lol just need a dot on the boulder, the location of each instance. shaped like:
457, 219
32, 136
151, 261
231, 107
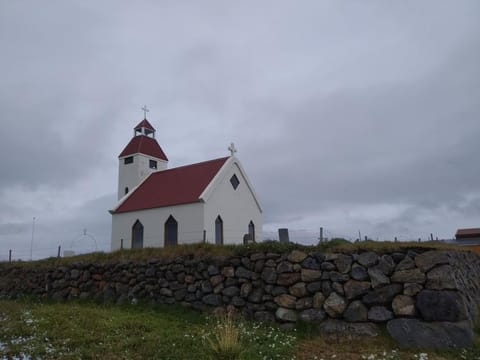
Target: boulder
441, 278
343, 328
354, 288
386, 264
231, 291
246, 289
408, 276
304, 303
296, 256
311, 263
383, 295
286, 314
358, 272
309, 275
318, 300
315, 286
312, 315
212, 299
338, 277
269, 275
327, 266
406, 264
436, 305
256, 295
367, 259
379, 314
343, 263
216, 279
288, 279
377, 277
264, 316
403, 305
284, 267
241, 272
356, 312
432, 258
411, 289
286, 301
335, 305
228, 271
436, 335
298, 290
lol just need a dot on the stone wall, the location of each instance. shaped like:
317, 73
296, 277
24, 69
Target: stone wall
425, 297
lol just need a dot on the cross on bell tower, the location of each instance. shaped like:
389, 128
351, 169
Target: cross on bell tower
145, 110
232, 149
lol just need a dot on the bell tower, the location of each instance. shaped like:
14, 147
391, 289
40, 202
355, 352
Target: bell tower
142, 156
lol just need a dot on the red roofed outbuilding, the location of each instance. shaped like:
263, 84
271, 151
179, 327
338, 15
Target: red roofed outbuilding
211, 201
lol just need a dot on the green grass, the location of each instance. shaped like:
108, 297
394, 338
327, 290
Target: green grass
91, 331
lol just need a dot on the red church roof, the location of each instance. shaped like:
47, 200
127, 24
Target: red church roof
144, 124
182, 185
145, 145
467, 233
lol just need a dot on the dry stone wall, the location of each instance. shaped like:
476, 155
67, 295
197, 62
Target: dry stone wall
425, 298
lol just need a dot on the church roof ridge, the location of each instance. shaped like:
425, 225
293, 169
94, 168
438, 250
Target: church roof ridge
144, 145
144, 124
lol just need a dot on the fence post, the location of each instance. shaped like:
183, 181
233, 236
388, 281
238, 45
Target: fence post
59, 249
9, 256
396, 239
121, 244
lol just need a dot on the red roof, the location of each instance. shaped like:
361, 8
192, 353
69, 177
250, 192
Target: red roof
182, 185
144, 124
467, 233
144, 145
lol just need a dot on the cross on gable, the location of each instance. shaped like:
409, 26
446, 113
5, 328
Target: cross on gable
145, 110
232, 149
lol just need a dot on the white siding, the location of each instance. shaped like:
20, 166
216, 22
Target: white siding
189, 218
236, 207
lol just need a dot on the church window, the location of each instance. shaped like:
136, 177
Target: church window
128, 160
137, 235
126, 190
234, 181
153, 164
251, 231
171, 231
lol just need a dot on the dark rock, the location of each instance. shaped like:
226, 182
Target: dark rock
354, 288
403, 305
284, 267
337, 277
206, 287
377, 277
296, 256
441, 306
406, 264
356, 312
286, 301
437, 335
228, 271
231, 291
386, 264
257, 256
215, 280
179, 295
327, 266
213, 270
441, 278
237, 301
259, 265
429, 259
334, 305
288, 279
315, 286
383, 295
338, 288
358, 272
311, 263
256, 296
343, 263
304, 303
269, 275
379, 314
397, 256
411, 289
312, 315
212, 299
367, 259
309, 275
264, 316
150, 272
165, 292
246, 289
279, 290
408, 276
318, 300
326, 287
243, 273
320, 257
286, 314
230, 281
298, 290
343, 328
74, 274
246, 262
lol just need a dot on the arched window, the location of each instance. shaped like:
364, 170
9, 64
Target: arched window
251, 231
137, 235
171, 231
219, 231
126, 190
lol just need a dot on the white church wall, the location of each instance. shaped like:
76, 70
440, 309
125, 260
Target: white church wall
130, 175
189, 218
236, 208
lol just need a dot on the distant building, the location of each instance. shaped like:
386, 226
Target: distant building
468, 236
211, 201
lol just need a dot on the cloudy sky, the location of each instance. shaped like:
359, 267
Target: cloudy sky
348, 115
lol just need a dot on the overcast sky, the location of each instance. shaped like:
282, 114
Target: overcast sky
351, 115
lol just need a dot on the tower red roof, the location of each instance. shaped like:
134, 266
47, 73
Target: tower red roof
144, 124
182, 185
144, 145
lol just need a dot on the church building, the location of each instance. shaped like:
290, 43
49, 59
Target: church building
212, 201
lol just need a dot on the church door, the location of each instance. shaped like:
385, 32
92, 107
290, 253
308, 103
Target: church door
219, 231
251, 231
171, 231
137, 235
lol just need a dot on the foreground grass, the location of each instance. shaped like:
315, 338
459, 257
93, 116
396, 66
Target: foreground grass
92, 331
